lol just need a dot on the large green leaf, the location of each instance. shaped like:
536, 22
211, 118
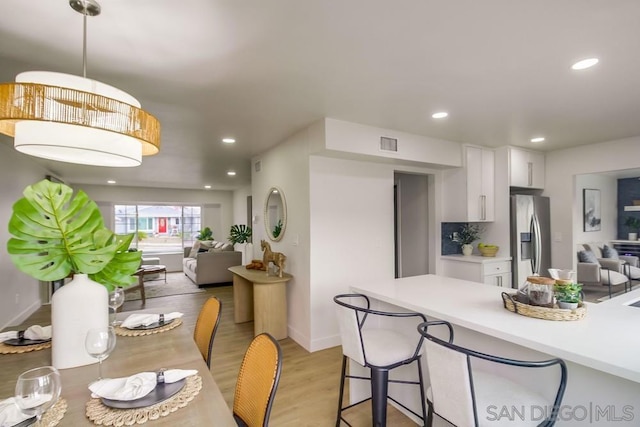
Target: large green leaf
120, 269
56, 234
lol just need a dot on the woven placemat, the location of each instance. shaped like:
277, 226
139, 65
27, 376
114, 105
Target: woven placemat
53, 415
11, 349
105, 416
124, 332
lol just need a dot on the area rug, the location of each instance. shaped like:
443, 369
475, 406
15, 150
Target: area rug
177, 284
601, 293
605, 294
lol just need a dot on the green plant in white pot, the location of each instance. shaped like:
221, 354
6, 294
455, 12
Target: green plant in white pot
240, 236
465, 236
57, 235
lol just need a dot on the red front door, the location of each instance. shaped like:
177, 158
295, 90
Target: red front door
162, 225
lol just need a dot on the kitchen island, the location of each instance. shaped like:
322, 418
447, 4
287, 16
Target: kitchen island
602, 350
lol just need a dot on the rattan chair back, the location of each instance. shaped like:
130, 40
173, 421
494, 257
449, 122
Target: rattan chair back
206, 327
257, 382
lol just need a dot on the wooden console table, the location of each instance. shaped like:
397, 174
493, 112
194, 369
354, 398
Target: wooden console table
261, 298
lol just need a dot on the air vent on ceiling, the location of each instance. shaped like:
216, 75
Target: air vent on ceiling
258, 165
388, 144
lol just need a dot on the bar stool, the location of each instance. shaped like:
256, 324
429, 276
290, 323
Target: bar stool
378, 349
458, 391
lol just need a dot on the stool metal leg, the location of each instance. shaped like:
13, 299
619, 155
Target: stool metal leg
422, 396
342, 376
379, 388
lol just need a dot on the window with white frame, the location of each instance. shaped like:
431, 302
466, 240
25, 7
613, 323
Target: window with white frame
159, 228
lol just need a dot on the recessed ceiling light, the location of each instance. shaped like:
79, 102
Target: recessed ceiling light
585, 63
231, 173
207, 187
440, 115
537, 139
111, 181
228, 140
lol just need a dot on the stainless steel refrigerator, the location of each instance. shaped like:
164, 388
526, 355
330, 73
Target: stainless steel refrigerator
530, 237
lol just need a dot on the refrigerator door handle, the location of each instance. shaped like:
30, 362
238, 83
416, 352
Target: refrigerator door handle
537, 245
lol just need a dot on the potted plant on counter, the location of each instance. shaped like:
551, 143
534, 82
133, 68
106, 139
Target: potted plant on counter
568, 295
240, 236
634, 226
465, 236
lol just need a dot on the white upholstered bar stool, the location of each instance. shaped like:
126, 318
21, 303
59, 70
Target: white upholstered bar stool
378, 349
465, 396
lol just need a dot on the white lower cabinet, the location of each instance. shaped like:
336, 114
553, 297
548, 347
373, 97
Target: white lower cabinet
492, 271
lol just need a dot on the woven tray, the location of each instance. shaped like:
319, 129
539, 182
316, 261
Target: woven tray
511, 304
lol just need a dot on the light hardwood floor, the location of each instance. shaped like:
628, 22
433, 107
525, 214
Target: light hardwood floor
308, 392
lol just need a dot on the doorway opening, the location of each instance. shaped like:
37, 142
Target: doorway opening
411, 223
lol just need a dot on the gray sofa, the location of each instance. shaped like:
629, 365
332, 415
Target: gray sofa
210, 267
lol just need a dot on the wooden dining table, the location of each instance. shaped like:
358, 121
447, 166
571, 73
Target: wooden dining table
173, 349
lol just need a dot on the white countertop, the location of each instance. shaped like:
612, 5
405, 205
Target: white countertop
606, 339
478, 259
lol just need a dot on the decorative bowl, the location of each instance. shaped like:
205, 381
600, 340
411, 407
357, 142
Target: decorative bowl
489, 251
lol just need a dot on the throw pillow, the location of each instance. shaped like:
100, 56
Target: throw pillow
227, 247
219, 245
194, 249
608, 252
587, 256
207, 243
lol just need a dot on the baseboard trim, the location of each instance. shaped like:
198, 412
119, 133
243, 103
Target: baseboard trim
24, 315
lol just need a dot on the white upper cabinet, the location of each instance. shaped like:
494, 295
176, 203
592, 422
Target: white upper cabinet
526, 168
469, 192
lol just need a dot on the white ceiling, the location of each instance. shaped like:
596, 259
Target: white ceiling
261, 70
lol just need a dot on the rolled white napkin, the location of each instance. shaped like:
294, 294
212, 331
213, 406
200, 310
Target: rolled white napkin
136, 320
10, 414
136, 386
34, 332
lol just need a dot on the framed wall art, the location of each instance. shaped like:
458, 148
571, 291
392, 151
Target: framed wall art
591, 209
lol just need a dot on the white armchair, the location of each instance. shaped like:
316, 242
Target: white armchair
592, 270
609, 258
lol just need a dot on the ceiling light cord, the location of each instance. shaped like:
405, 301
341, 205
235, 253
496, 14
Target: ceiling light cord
84, 45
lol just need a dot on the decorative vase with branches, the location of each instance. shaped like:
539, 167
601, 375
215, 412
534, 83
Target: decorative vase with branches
466, 235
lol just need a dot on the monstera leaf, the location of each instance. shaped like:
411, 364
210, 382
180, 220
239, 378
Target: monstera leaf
56, 234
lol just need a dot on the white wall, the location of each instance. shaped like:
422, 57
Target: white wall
19, 293
354, 138
561, 168
286, 166
340, 218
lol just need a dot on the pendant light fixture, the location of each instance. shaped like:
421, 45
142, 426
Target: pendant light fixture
75, 119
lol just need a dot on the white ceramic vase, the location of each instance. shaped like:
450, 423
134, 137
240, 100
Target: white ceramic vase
633, 236
76, 307
248, 253
467, 250
241, 247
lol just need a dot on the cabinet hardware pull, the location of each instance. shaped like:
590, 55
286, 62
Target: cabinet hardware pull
530, 171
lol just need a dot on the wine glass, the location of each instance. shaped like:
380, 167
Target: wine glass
99, 343
37, 390
116, 299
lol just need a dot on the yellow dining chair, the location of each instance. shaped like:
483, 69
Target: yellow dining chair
257, 382
206, 327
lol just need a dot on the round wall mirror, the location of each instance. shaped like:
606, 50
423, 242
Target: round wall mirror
275, 214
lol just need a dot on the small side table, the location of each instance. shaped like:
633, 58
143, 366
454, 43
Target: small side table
261, 298
143, 271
